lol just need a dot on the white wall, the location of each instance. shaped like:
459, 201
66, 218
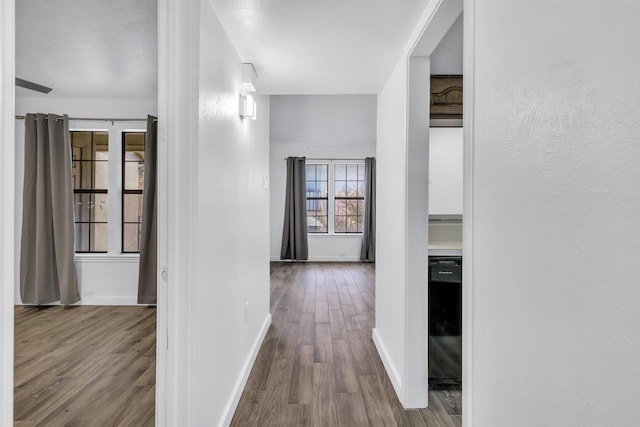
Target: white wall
556, 208
318, 126
389, 333
227, 284
110, 278
7, 178
400, 332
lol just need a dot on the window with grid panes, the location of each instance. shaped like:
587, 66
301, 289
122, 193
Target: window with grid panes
349, 187
90, 171
317, 177
133, 144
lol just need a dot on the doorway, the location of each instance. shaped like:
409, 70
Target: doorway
101, 63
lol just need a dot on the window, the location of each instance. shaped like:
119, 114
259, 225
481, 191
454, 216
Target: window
133, 185
335, 197
90, 171
349, 198
317, 198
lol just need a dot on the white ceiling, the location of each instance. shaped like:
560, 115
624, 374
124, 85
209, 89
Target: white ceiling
88, 48
320, 46
108, 48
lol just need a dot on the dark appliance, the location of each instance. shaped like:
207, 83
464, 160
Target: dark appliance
445, 319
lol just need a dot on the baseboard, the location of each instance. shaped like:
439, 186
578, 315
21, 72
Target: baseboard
324, 259
96, 300
230, 409
388, 364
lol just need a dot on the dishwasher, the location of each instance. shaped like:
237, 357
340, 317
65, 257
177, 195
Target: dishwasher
445, 319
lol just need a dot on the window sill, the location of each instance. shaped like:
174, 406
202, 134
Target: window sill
107, 258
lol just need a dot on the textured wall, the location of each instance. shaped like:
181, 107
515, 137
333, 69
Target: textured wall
556, 209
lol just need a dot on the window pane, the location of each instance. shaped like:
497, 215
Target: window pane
101, 174
99, 208
361, 189
133, 175
352, 172
340, 224
82, 237
341, 207
322, 172
132, 209
341, 172
353, 224
99, 237
131, 238
352, 188
321, 188
361, 172
341, 188
352, 207
82, 206
310, 172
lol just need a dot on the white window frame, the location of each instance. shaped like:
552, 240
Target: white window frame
331, 188
115, 132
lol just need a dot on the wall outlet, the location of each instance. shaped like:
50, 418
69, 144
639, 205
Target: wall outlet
90, 294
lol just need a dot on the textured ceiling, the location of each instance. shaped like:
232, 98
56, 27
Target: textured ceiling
108, 48
88, 48
320, 46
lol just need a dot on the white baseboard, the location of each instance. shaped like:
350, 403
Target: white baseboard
325, 259
96, 300
230, 409
388, 364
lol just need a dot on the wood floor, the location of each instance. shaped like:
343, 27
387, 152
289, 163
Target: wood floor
84, 366
318, 365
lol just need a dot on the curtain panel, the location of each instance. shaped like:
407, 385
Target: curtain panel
294, 234
368, 249
148, 273
47, 248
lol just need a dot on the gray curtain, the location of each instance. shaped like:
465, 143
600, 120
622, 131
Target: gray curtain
47, 251
368, 250
148, 275
294, 233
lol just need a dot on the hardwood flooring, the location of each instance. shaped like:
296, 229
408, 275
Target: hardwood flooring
318, 365
84, 366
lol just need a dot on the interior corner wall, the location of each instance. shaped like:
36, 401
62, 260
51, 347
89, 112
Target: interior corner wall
556, 208
104, 279
229, 274
318, 126
391, 153
7, 177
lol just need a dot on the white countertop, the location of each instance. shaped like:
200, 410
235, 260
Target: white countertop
445, 248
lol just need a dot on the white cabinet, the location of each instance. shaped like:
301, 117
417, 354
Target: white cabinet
445, 171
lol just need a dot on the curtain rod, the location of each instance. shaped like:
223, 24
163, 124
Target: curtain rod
330, 159
99, 119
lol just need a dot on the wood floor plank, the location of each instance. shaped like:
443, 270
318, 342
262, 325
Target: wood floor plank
350, 410
301, 387
323, 351
323, 406
345, 373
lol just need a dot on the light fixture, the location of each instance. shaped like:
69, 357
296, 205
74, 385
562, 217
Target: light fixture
247, 107
249, 77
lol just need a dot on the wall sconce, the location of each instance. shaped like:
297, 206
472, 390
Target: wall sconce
249, 77
247, 107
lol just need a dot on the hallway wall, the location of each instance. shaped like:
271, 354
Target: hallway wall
555, 211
